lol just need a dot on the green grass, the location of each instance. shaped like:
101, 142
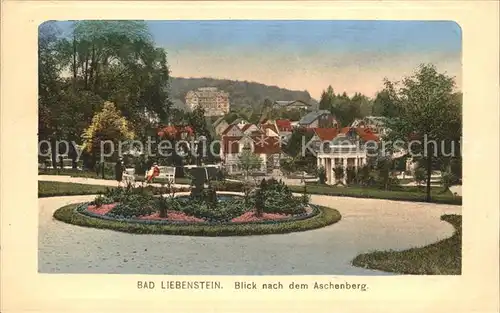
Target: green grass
327, 216
405, 193
107, 176
52, 189
441, 258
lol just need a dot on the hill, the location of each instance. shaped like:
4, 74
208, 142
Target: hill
241, 93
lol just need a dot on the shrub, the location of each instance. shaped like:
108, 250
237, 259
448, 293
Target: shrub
321, 175
223, 212
339, 173
229, 186
447, 180
419, 175
278, 198
102, 199
350, 175
260, 201
130, 210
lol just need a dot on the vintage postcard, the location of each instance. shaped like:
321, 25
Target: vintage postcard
229, 157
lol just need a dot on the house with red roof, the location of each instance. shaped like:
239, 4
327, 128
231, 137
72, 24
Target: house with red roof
284, 125
263, 141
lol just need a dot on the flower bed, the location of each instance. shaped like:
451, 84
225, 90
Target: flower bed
178, 217
172, 216
272, 201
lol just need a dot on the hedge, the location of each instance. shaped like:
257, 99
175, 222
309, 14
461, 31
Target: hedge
410, 194
50, 189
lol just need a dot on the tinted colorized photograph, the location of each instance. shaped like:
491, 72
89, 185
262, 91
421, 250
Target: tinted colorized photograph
250, 147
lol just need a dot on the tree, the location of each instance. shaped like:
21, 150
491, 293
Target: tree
117, 61
107, 125
363, 175
327, 99
294, 144
350, 175
419, 175
383, 105
112, 61
339, 174
447, 180
428, 111
49, 85
383, 168
249, 161
321, 175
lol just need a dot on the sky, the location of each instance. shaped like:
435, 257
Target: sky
352, 56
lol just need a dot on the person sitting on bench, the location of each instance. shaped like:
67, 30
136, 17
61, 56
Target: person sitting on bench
152, 173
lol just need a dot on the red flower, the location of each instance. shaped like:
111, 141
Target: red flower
101, 210
168, 131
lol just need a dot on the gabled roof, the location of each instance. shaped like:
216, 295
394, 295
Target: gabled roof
262, 144
229, 128
342, 140
247, 126
326, 134
283, 124
271, 127
291, 103
312, 116
366, 134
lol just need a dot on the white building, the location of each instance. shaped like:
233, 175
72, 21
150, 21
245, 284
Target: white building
215, 102
340, 151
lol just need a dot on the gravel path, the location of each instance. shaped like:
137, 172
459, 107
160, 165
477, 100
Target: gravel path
366, 225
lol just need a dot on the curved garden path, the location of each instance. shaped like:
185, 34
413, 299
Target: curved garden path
366, 225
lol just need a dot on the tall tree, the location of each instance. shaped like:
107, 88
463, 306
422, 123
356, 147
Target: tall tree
107, 125
49, 85
428, 113
327, 99
117, 61
384, 106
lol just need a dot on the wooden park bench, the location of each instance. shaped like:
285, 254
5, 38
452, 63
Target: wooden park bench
167, 173
129, 175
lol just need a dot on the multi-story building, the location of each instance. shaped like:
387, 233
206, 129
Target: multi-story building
215, 102
262, 141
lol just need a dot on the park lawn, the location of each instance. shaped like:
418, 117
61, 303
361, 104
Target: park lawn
441, 258
52, 189
404, 193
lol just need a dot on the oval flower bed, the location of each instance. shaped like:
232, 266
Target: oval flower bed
269, 209
177, 217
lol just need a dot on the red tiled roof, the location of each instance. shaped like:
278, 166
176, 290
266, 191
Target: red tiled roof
326, 134
266, 145
366, 134
345, 130
284, 125
262, 144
